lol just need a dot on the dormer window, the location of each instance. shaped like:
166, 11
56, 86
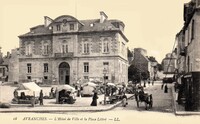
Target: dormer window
71, 26
58, 27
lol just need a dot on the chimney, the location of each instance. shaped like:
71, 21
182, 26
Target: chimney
103, 17
47, 21
8, 54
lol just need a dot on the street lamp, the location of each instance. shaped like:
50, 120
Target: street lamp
104, 75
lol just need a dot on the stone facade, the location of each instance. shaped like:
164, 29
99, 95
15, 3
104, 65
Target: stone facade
13, 65
65, 50
189, 57
141, 60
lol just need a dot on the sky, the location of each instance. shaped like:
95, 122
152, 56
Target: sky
149, 24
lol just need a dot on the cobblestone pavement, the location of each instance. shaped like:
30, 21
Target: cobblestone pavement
162, 102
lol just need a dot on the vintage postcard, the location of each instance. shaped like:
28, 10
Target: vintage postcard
99, 61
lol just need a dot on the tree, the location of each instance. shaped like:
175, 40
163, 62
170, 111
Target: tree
135, 75
160, 67
152, 59
145, 75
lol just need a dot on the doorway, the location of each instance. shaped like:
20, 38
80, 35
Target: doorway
64, 73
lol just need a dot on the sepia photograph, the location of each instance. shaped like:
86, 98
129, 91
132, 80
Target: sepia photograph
100, 61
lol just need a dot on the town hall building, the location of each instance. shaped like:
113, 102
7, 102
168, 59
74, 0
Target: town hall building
66, 50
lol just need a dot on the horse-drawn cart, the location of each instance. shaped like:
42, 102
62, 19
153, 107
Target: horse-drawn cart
144, 97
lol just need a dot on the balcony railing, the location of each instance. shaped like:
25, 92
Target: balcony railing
63, 55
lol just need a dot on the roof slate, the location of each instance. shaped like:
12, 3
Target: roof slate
97, 26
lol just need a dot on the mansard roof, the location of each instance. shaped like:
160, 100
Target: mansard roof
38, 30
92, 25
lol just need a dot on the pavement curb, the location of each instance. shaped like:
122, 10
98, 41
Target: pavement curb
84, 109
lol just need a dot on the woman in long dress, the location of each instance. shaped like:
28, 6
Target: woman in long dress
94, 99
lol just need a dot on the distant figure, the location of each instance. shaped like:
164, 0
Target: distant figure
162, 86
153, 82
166, 89
175, 86
52, 90
41, 98
52, 93
94, 99
15, 93
124, 100
78, 91
149, 82
144, 83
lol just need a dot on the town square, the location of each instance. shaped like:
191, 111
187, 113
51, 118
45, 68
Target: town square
111, 59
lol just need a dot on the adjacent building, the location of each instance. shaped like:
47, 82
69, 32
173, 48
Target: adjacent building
169, 63
144, 63
4, 66
9, 66
153, 68
13, 65
65, 50
188, 59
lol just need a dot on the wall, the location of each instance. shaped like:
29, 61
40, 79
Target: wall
193, 51
14, 66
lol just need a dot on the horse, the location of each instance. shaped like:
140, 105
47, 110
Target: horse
146, 98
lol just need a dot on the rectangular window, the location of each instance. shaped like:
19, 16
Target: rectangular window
105, 63
85, 77
46, 77
0, 70
29, 68
105, 77
58, 27
45, 67
192, 30
46, 49
65, 48
71, 26
86, 67
189, 35
106, 66
28, 49
105, 46
86, 48
29, 77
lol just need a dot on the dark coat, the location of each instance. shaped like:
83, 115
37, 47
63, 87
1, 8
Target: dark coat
41, 98
94, 99
166, 89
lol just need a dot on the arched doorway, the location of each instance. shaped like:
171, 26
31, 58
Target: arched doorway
64, 73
